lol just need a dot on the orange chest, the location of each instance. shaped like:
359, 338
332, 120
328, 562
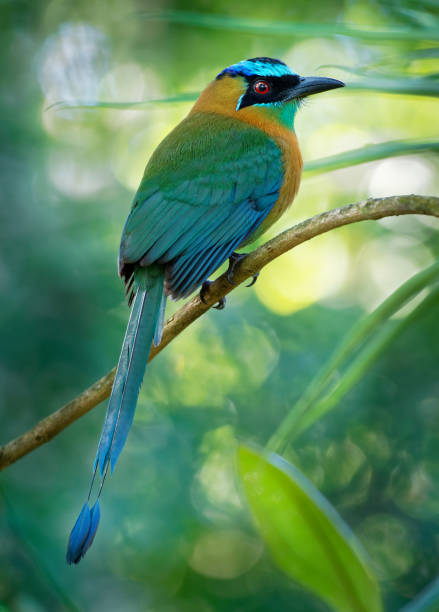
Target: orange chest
293, 165
287, 141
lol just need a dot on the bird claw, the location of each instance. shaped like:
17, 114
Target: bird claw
254, 279
221, 304
204, 289
233, 260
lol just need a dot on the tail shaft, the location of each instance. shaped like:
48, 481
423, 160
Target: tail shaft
144, 328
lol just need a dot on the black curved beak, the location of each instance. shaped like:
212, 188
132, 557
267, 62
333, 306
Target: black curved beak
312, 85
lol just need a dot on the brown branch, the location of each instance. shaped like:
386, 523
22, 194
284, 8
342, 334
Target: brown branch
377, 208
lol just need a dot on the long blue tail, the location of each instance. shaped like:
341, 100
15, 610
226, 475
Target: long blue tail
144, 327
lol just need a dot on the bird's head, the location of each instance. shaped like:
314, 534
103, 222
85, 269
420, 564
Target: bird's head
261, 89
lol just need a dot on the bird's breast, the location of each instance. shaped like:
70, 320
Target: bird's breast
287, 141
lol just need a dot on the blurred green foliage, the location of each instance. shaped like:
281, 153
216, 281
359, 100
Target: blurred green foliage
176, 534
306, 537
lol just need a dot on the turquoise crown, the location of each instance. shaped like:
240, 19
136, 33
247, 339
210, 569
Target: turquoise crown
258, 66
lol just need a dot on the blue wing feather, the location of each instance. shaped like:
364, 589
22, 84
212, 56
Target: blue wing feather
192, 212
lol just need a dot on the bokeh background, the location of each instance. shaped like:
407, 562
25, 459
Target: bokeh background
176, 534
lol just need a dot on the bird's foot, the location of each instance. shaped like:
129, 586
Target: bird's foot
233, 260
204, 290
253, 280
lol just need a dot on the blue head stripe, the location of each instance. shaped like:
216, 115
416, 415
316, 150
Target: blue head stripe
260, 66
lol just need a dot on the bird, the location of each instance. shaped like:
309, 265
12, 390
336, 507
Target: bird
215, 183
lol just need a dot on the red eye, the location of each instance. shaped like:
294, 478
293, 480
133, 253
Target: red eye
261, 87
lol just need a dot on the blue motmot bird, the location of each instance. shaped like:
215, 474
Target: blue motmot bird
224, 175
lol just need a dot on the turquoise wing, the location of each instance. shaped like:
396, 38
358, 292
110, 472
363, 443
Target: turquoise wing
205, 191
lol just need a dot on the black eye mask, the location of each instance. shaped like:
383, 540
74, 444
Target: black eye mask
279, 89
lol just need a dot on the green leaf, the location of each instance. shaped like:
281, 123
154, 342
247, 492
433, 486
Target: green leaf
306, 537
370, 153
424, 53
396, 83
358, 367
360, 348
419, 86
83, 104
285, 28
426, 601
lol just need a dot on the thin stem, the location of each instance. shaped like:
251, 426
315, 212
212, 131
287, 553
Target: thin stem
295, 423
360, 333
